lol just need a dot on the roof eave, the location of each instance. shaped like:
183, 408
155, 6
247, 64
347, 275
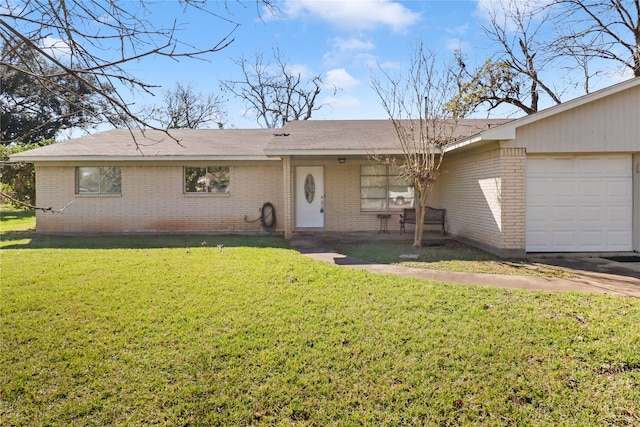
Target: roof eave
34, 159
289, 152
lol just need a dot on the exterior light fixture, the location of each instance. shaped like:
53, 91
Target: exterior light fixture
341, 160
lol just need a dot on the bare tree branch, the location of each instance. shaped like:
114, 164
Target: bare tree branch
607, 29
27, 205
96, 40
185, 108
275, 94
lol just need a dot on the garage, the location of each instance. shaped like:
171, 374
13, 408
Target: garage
579, 203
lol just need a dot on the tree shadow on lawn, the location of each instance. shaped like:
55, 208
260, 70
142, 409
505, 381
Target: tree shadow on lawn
28, 239
15, 214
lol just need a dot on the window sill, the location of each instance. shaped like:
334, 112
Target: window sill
206, 194
98, 195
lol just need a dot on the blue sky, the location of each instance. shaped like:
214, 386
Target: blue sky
344, 41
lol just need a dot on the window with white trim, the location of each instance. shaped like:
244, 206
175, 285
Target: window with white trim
208, 179
383, 189
98, 180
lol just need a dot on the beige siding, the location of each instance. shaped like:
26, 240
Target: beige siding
153, 200
609, 125
484, 194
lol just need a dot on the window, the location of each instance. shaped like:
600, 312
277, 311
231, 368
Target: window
98, 180
211, 179
382, 188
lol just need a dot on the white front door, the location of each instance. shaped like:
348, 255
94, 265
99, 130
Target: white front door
309, 196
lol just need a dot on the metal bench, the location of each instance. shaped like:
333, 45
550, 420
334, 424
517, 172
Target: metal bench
431, 216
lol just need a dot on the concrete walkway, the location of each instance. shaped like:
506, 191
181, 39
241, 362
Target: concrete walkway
585, 281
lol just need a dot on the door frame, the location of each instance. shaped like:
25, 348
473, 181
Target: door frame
304, 209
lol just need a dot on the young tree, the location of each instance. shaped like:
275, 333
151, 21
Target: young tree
185, 108
91, 42
275, 94
417, 104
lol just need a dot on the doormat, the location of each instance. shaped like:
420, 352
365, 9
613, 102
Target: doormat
627, 258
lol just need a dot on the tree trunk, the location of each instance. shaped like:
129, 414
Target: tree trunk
421, 210
419, 231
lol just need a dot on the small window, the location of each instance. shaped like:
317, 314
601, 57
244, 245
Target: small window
98, 180
382, 188
210, 179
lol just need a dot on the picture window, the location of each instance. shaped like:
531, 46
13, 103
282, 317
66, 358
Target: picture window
209, 179
98, 180
382, 188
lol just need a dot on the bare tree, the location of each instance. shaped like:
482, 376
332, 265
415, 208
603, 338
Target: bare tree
558, 35
514, 74
417, 104
185, 108
92, 41
275, 93
606, 29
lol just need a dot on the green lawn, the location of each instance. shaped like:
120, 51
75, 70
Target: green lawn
260, 335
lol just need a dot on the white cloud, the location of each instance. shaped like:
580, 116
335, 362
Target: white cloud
460, 30
366, 59
340, 79
56, 47
346, 101
504, 11
355, 14
390, 65
300, 69
454, 44
345, 49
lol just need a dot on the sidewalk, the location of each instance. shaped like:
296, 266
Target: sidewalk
584, 282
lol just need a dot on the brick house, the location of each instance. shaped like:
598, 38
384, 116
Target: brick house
566, 179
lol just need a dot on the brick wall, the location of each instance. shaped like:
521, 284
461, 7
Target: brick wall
484, 194
153, 200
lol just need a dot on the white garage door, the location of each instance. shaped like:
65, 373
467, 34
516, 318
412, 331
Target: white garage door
579, 203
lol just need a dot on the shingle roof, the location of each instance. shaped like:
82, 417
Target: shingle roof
311, 137
353, 136
119, 144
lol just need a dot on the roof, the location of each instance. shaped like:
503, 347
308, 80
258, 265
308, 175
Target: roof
302, 137
353, 137
507, 131
192, 144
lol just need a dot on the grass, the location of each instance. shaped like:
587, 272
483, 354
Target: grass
260, 335
12, 219
447, 255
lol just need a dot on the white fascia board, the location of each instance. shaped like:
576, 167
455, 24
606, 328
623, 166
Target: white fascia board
463, 143
277, 152
76, 159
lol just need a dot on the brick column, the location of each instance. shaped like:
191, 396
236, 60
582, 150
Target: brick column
287, 187
513, 164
